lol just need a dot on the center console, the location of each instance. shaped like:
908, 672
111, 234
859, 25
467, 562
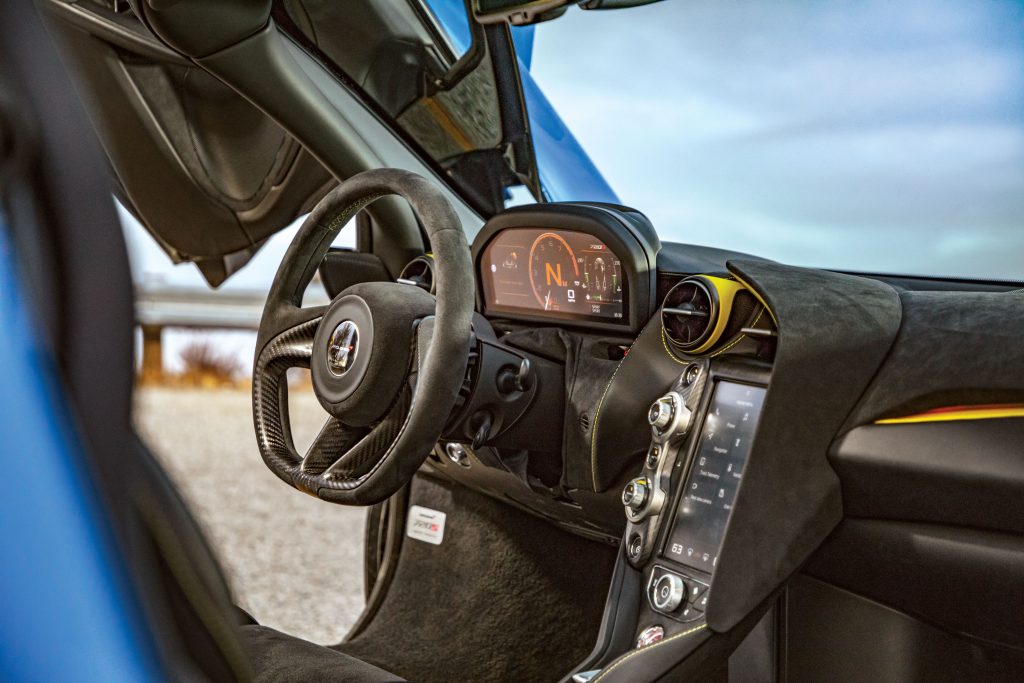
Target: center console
679, 507
679, 586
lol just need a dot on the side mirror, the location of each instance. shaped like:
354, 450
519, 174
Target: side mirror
524, 12
518, 12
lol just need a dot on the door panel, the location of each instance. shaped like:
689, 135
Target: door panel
207, 173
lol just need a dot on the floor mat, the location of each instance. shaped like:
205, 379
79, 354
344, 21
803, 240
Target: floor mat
506, 596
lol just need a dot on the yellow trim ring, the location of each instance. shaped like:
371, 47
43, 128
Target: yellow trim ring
726, 291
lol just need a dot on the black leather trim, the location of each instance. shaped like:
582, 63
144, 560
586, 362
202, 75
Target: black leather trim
964, 580
968, 473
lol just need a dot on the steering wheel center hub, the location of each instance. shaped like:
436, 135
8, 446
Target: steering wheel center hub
362, 352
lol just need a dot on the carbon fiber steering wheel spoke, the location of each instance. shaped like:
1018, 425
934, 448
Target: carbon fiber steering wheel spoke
289, 349
374, 445
333, 442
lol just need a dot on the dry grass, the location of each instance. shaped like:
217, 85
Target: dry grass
200, 358
203, 366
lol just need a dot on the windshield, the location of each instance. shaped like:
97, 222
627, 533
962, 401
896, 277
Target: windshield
867, 136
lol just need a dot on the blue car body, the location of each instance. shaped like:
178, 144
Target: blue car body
69, 614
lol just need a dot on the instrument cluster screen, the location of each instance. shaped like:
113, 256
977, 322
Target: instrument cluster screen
555, 273
715, 475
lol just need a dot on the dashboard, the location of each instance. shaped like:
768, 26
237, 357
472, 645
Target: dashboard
748, 476
565, 274
709, 495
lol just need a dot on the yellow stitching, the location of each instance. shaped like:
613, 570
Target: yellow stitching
358, 204
600, 404
597, 416
731, 344
634, 653
758, 297
740, 338
664, 345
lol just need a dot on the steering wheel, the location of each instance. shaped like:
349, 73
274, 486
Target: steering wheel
387, 360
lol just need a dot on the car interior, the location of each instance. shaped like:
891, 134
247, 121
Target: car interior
587, 454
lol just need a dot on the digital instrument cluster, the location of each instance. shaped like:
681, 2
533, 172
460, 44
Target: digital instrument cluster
562, 274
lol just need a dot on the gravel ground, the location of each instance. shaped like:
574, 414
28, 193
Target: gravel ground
270, 538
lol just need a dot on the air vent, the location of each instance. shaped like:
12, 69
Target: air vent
419, 272
688, 314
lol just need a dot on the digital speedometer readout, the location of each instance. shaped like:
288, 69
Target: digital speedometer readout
557, 273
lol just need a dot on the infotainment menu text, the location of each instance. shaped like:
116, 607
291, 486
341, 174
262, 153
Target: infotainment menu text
715, 475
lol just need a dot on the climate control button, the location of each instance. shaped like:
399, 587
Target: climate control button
669, 416
661, 413
669, 592
634, 495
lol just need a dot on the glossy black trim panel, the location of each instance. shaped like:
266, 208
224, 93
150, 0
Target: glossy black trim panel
966, 581
832, 634
967, 473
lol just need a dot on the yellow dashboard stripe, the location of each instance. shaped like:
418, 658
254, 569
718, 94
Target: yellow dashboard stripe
664, 345
990, 412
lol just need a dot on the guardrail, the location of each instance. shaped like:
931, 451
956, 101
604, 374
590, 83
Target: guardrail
157, 308
199, 308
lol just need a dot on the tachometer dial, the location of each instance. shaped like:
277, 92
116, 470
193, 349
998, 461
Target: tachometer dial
554, 272
600, 280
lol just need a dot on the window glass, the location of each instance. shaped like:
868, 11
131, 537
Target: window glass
871, 135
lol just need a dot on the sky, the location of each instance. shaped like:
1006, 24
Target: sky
870, 135
151, 267
873, 136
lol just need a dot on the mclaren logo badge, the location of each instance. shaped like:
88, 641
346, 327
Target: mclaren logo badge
342, 348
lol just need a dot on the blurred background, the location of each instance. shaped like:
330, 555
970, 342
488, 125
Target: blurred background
195, 349
868, 136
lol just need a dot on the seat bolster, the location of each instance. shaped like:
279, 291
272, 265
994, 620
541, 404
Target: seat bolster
277, 657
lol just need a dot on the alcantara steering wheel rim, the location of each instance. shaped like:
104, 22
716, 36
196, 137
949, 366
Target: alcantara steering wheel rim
385, 418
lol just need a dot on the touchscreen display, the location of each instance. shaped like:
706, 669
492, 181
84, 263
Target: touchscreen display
556, 273
715, 475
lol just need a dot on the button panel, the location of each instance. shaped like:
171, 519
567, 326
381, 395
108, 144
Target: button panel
678, 596
653, 455
646, 497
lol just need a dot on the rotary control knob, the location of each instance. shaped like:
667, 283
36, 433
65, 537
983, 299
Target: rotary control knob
669, 411
662, 411
634, 495
669, 591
